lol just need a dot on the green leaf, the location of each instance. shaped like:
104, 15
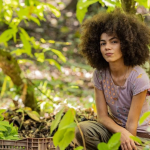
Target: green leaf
36, 113
56, 121
143, 3
42, 40
12, 137
4, 123
67, 119
102, 3
79, 148
6, 35
22, 119
23, 13
23, 61
18, 52
2, 128
145, 115
2, 111
53, 62
8, 15
38, 10
3, 88
136, 139
59, 54
26, 44
54, 10
23, 31
110, 3
114, 141
14, 131
80, 13
14, 33
20, 110
14, 22
102, 146
1, 5
85, 3
72, 125
1, 116
32, 115
35, 20
58, 136
40, 57
82, 7
1, 135
27, 2
63, 138
68, 137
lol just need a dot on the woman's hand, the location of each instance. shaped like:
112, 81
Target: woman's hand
126, 142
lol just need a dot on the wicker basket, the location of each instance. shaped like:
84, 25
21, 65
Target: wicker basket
28, 144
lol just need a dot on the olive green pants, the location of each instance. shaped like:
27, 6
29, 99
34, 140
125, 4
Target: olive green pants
94, 133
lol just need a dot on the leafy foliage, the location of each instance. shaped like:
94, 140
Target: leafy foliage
56, 121
145, 115
66, 130
113, 143
79, 148
32, 114
136, 139
13, 14
82, 6
7, 131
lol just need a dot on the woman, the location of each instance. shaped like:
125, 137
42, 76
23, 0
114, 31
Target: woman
116, 44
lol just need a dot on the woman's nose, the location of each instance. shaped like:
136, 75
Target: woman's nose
108, 46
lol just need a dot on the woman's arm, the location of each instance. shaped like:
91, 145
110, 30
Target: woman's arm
102, 113
135, 111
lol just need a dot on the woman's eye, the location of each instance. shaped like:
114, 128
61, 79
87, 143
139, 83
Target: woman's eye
114, 41
102, 44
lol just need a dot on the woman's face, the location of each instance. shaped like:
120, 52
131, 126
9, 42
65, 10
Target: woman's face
110, 47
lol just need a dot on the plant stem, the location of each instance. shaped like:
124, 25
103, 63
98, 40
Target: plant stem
80, 133
41, 91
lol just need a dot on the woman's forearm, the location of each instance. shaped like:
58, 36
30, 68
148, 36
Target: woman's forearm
132, 128
111, 125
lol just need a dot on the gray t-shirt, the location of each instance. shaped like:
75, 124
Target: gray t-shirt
118, 98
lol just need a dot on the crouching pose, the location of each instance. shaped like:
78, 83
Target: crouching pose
116, 45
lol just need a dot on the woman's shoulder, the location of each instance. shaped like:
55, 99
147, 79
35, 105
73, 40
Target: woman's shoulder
138, 73
98, 77
101, 73
138, 70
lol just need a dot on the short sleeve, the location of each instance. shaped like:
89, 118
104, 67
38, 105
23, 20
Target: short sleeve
141, 83
97, 79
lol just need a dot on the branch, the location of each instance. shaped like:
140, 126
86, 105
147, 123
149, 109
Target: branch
41, 91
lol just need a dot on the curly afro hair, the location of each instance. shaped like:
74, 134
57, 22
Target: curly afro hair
133, 34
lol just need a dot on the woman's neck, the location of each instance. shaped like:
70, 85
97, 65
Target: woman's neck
119, 73
118, 70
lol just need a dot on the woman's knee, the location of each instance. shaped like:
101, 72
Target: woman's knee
78, 131
83, 127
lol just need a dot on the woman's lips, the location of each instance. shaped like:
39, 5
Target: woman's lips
109, 54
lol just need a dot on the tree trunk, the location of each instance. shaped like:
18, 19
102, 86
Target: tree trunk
11, 68
128, 6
